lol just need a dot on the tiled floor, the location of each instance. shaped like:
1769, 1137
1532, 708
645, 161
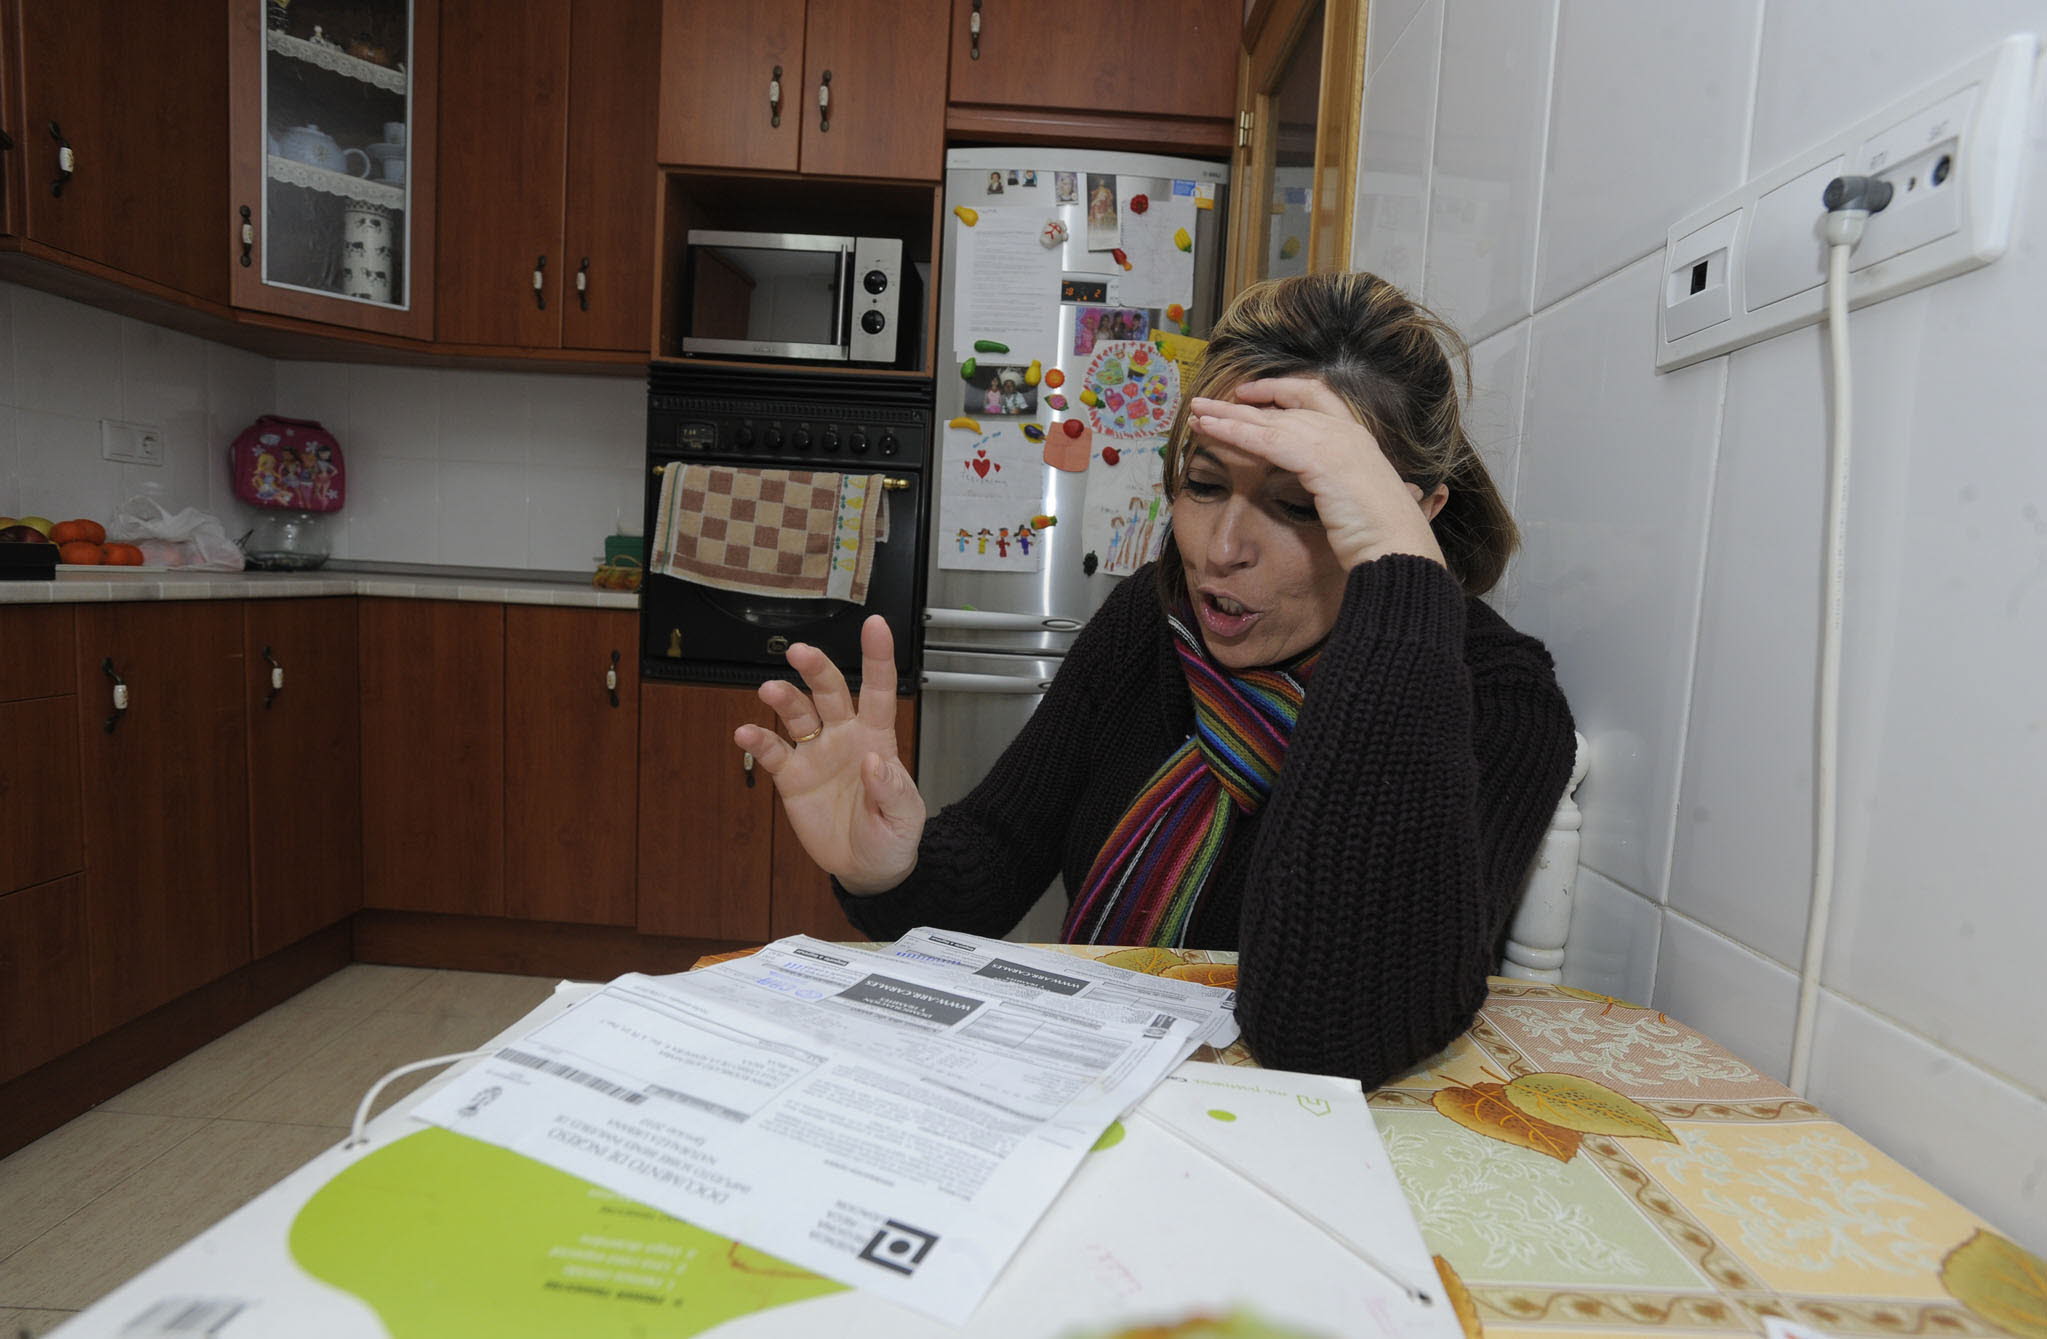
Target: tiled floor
91, 1204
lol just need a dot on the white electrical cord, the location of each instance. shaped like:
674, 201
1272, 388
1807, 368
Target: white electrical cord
369, 1099
1843, 231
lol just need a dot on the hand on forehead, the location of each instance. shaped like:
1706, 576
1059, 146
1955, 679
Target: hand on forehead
1291, 393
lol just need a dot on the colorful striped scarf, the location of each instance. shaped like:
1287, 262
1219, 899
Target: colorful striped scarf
1150, 873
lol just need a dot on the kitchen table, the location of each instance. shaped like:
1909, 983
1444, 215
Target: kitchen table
1578, 1165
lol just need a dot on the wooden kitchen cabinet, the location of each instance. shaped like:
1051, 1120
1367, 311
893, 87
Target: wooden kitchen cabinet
1066, 70
328, 213
886, 112
165, 804
40, 833
300, 697
718, 859
706, 820
572, 716
138, 95
433, 755
547, 173
45, 997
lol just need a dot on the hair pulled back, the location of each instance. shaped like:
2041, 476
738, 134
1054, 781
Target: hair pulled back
1395, 364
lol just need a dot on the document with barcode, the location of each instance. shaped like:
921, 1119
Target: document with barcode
893, 1124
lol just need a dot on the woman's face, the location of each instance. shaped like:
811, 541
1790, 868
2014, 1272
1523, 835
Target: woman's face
1264, 582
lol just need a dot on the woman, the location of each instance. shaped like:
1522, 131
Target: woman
1299, 734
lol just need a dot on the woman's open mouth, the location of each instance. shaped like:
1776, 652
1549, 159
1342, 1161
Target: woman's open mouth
1222, 615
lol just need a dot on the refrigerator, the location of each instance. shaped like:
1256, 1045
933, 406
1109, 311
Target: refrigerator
1074, 286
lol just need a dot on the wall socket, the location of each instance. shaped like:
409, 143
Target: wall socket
135, 443
1753, 264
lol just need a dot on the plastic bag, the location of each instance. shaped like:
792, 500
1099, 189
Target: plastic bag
190, 538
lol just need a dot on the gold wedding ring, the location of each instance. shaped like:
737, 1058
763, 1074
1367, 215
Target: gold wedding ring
805, 739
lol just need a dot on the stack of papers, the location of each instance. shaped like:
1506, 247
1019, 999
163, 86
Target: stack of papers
960, 1136
894, 1122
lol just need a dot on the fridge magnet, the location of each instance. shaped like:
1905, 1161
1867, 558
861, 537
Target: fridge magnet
1033, 432
1052, 234
1120, 257
990, 346
994, 183
1104, 222
991, 488
1092, 325
1139, 203
1089, 563
1014, 179
1184, 350
1066, 187
967, 217
1069, 446
1035, 372
1055, 378
1136, 389
1000, 389
1030, 178
971, 425
1055, 401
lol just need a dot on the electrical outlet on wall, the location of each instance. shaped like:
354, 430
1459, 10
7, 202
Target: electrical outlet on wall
135, 443
1952, 151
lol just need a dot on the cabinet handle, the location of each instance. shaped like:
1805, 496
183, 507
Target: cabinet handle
248, 236
539, 293
824, 102
583, 284
67, 161
775, 99
276, 679
974, 32
746, 765
120, 693
611, 679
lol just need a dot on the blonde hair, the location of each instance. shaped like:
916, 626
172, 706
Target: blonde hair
1395, 364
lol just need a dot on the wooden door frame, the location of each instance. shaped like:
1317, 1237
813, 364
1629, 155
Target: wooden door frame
1270, 35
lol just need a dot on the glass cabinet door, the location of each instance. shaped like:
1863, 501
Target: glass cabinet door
1296, 160
332, 138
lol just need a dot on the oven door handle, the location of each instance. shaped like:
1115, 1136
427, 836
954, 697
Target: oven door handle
947, 681
988, 620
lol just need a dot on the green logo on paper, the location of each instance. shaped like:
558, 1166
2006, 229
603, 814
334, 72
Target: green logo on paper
445, 1236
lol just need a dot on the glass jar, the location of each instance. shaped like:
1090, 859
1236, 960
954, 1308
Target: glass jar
287, 541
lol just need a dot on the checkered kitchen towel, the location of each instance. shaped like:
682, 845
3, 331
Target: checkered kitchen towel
770, 532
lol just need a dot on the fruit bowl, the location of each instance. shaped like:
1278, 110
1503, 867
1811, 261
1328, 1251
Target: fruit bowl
282, 560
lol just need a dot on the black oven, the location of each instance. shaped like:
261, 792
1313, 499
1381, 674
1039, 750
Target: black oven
788, 421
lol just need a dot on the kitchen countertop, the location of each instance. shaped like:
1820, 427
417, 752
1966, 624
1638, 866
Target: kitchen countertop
96, 587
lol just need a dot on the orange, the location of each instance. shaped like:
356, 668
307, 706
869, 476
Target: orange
79, 551
64, 532
1150, 961
122, 555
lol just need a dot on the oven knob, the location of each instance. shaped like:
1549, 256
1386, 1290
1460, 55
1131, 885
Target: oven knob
831, 439
742, 436
858, 441
800, 439
772, 439
873, 322
874, 281
889, 444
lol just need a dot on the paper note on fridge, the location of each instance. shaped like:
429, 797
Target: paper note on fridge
1005, 286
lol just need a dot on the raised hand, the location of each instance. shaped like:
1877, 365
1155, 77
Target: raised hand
842, 781
1301, 426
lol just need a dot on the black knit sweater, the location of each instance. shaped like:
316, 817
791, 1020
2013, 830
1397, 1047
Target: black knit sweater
1368, 898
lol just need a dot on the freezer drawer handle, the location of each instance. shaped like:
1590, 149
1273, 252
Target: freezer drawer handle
991, 621
945, 681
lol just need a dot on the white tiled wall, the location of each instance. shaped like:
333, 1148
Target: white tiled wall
1673, 536
479, 469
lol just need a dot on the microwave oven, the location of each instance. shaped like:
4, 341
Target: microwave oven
796, 297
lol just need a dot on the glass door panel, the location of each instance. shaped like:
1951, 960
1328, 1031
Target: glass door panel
337, 103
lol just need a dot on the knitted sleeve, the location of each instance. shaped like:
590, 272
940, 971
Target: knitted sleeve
985, 860
1419, 781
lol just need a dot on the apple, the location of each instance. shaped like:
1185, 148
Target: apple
23, 534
